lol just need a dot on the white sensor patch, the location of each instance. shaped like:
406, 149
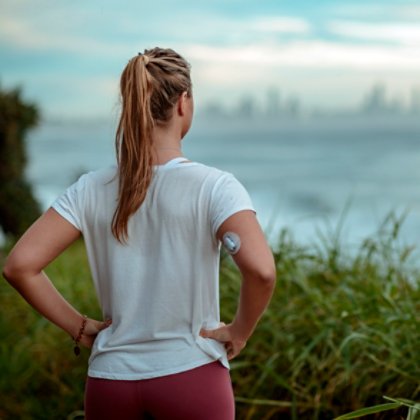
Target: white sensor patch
232, 242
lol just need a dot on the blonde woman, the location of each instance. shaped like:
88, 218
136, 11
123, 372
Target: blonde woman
153, 227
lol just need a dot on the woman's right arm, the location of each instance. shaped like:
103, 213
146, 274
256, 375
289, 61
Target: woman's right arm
45, 240
256, 264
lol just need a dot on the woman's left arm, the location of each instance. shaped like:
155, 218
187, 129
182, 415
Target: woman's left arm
47, 238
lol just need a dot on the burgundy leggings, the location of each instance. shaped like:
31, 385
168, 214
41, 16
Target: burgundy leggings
203, 393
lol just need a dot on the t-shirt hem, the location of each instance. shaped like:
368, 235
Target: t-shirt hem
156, 374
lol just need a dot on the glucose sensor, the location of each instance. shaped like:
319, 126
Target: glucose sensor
231, 242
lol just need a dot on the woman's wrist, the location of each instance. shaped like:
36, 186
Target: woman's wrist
75, 325
80, 335
239, 332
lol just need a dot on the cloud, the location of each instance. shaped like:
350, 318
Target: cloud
363, 11
308, 53
279, 24
401, 33
24, 35
234, 42
411, 12
86, 31
374, 12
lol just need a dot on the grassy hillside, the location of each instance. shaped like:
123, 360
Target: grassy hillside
343, 330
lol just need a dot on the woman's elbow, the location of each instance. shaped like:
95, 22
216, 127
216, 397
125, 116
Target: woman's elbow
8, 271
13, 270
264, 275
268, 276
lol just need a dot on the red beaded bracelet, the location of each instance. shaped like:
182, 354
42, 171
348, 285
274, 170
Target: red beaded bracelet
79, 336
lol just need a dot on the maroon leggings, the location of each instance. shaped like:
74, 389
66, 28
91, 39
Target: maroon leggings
203, 393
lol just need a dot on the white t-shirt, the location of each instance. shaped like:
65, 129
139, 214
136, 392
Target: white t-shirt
163, 287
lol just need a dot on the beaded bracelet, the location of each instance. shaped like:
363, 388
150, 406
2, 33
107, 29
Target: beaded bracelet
79, 336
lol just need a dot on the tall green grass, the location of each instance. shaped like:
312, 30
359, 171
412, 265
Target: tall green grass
342, 330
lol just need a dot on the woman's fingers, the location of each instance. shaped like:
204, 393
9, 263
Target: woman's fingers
233, 348
93, 327
220, 334
104, 324
224, 334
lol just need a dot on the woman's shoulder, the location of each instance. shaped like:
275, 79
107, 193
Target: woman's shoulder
92, 179
211, 171
99, 175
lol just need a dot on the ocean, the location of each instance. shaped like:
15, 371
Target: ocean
303, 175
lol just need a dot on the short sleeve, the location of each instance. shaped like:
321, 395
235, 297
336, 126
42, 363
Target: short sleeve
228, 197
69, 204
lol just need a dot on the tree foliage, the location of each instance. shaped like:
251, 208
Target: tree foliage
18, 208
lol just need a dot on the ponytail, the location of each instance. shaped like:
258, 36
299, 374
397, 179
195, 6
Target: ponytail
133, 145
150, 86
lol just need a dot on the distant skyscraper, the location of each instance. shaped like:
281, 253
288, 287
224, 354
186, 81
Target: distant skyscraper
246, 107
273, 104
415, 100
375, 101
292, 107
396, 105
214, 110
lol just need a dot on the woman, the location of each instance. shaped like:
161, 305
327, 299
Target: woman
153, 227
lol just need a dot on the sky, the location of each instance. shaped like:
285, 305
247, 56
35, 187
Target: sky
68, 55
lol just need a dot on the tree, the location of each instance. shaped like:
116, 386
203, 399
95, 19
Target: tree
18, 207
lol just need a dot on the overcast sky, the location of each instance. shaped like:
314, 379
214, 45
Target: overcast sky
68, 54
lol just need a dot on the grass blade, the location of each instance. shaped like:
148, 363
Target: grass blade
369, 410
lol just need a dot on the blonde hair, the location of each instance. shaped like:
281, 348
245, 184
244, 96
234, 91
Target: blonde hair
150, 85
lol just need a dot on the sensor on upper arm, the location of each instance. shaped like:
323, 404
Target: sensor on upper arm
231, 242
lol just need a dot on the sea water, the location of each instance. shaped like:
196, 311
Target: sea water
304, 175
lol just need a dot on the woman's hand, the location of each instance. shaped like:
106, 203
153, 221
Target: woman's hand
92, 329
226, 335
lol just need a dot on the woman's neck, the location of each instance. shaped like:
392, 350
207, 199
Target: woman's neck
161, 156
166, 145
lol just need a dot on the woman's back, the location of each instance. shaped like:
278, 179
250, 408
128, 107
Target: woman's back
161, 287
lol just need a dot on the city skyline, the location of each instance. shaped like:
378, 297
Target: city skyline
375, 102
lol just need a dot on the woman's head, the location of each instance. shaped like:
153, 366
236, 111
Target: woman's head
158, 76
151, 85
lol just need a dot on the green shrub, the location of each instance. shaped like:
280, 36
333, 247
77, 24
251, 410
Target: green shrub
18, 208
